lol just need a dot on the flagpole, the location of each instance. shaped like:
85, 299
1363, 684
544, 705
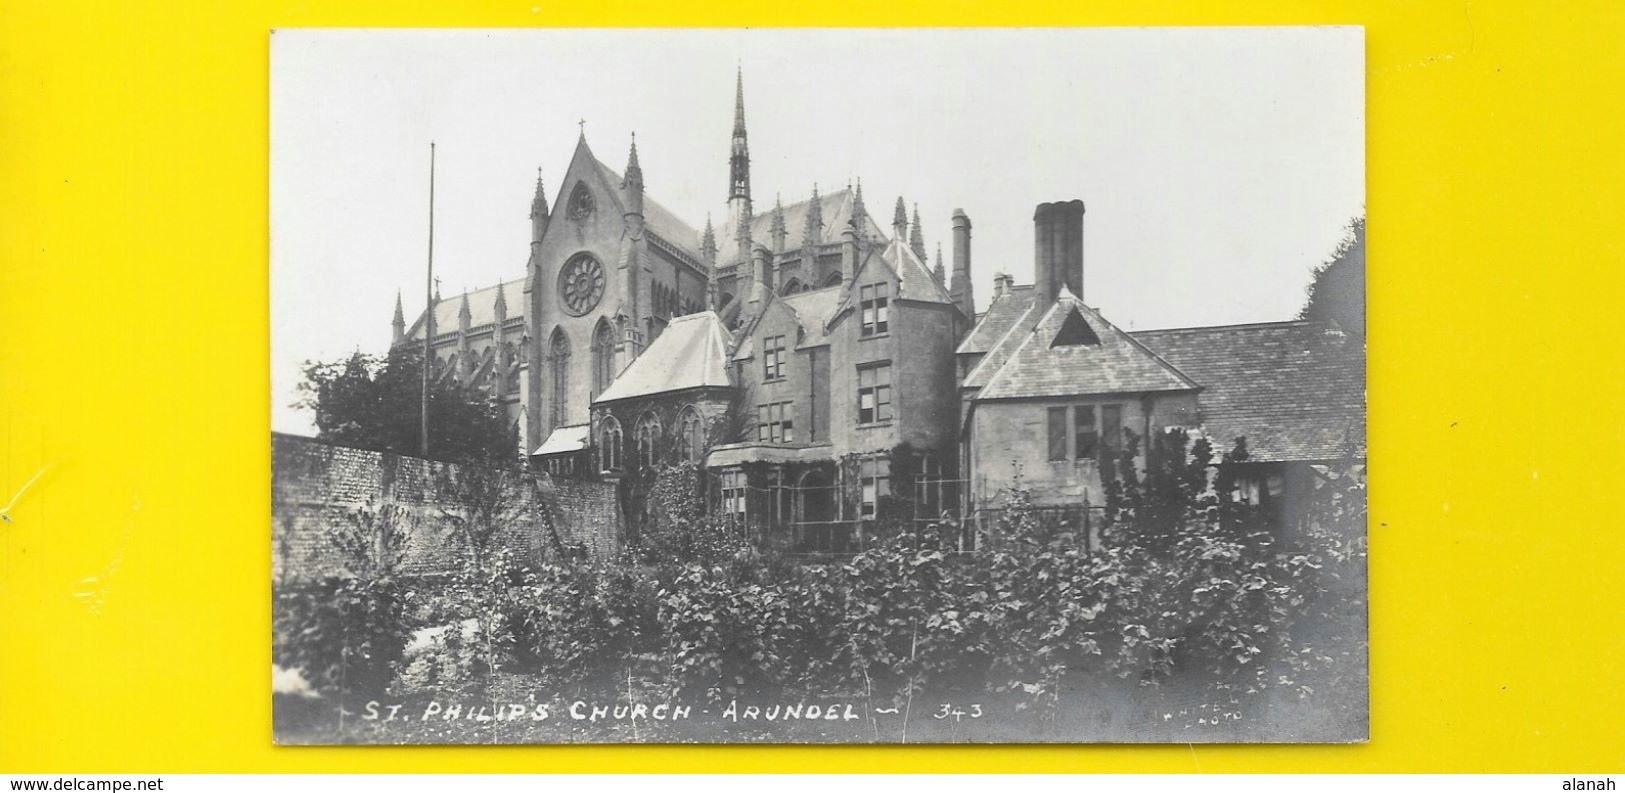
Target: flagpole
428, 316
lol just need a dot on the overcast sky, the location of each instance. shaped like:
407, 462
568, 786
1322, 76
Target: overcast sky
1218, 165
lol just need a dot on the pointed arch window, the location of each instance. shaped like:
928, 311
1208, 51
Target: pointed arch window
609, 444
603, 357
792, 286
648, 438
834, 279
558, 357
691, 435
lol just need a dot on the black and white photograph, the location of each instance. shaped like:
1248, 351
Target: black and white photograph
818, 386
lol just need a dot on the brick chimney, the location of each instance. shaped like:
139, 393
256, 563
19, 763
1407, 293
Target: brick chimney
1057, 250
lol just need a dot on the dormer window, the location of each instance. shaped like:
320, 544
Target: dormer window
873, 302
1075, 332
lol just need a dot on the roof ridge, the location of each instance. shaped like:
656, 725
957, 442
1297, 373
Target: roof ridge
998, 344
1136, 342
1030, 334
1276, 323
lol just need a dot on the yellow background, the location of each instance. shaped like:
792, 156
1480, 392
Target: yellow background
133, 360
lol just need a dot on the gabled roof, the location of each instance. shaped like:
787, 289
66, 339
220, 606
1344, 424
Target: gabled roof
481, 308
915, 281
692, 352
656, 218
835, 208
1294, 390
1001, 314
1117, 365
812, 309
1003, 346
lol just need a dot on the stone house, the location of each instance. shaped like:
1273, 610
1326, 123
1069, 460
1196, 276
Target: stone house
1050, 387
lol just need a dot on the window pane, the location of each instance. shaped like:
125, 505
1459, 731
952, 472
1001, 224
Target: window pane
1111, 427
1083, 417
1057, 433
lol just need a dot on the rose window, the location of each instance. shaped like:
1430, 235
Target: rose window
581, 284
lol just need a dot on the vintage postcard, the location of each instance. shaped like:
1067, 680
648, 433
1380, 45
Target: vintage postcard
818, 386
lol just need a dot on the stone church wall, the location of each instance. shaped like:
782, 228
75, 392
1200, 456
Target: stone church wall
315, 485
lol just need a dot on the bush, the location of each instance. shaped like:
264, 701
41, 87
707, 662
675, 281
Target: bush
1196, 598
347, 634
680, 530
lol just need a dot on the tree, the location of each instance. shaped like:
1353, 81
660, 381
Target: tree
485, 500
372, 402
1337, 291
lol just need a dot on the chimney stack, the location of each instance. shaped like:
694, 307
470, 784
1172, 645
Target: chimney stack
1057, 250
1002, 284
960, 287
761, 271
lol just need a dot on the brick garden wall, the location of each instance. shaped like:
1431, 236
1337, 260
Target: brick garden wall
314, 485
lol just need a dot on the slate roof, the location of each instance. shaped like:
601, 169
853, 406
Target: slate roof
1003, 346
657, 218
565, 440
1117, 365
692, 352
1294, 390
914, 276
481, 308
836, 210
812, 309
1000, 315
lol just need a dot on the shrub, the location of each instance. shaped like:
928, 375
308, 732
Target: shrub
347, 634
724, 638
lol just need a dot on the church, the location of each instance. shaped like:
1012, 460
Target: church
826, 377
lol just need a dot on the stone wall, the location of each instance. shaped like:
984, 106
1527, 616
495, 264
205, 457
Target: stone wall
315, 486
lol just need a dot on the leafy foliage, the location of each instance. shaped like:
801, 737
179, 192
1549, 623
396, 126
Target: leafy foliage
372, 402
1201, 609
679, 528
1337, 291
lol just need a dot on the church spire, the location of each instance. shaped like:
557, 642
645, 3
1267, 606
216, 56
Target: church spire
634, 171
538, 203
463, 314
899, 221
708, 251
708, 242
916, 237
398, 324
937, 272
858, 212
501, 305
739, 157
815, 220
776, 228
